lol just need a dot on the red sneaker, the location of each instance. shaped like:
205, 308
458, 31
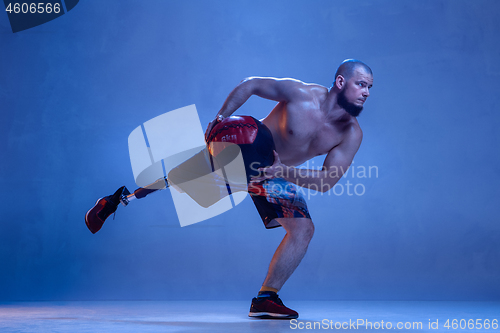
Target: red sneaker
104, 207
270, 306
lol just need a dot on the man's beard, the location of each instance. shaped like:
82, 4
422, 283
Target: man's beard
351, 108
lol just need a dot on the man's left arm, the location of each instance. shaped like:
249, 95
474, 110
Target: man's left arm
336, 163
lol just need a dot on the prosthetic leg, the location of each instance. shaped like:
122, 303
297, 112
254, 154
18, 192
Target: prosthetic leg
182, 180
141, 192
104, 207
204, 176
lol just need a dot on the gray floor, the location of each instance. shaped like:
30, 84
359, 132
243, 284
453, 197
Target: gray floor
203, 316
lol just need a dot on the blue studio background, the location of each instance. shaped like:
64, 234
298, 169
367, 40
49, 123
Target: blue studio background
71, 91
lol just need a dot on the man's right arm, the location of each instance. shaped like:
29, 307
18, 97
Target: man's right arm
280, 90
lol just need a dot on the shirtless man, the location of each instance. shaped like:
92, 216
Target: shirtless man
309, 120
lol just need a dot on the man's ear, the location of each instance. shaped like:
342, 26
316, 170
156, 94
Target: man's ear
340, 82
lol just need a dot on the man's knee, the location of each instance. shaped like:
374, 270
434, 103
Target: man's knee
307, 229
300, 228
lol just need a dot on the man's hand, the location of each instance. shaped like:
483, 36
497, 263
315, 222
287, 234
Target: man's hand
276, 170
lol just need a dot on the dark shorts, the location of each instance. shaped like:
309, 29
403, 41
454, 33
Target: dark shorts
275, 198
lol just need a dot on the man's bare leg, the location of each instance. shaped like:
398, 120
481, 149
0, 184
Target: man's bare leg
293, 247
287, 257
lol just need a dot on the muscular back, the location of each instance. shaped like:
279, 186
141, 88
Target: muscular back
307, 121
302, 128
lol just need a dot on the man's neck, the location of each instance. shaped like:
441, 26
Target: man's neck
333, 111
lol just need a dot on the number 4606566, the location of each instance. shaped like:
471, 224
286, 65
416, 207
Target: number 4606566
33, 8
471, 324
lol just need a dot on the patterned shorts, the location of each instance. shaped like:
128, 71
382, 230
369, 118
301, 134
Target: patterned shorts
276, 198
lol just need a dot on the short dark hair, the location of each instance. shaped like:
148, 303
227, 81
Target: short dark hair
347, 67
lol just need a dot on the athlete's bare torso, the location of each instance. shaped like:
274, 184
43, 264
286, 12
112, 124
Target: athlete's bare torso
302, 130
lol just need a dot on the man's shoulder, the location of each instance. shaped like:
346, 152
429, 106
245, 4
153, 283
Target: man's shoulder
285, 89
300, 85
309, 91
312, 87
353, 132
